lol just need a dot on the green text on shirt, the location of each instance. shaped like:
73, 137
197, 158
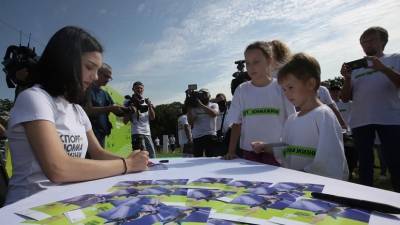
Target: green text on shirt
299, 150
260, 111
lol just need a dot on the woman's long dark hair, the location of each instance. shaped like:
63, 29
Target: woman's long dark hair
59, 70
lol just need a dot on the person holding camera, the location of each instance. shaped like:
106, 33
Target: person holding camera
99, 104
141, 111
372, 84
19, 62
223, 126
203, 118
49, 133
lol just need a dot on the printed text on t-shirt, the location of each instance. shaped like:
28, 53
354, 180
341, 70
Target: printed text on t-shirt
260, 111
73, 144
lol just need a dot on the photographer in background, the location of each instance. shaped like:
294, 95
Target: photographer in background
99, 104
19, 62
372, 84
223, 130
202, 115
140, 112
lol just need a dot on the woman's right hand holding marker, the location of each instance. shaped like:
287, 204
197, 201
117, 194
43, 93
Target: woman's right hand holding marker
137, 161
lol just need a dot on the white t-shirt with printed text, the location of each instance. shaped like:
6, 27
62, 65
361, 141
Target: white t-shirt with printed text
375, 98
71, 123
315, 144
261, 111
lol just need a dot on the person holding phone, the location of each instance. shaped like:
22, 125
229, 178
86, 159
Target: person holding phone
375, 104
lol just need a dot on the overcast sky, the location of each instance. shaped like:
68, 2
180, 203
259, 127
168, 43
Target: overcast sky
168, 44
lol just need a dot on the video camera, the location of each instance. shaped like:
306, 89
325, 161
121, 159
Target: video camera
193, 96
138, 102
240, 76
17, 58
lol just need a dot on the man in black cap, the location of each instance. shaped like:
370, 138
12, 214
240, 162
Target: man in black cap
141, 112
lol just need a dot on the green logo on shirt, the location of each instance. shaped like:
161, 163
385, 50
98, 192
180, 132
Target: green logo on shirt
260, 111
299, 150
369, 72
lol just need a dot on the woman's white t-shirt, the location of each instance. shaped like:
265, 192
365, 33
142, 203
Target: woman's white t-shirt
315, 144
71, 123
261, 111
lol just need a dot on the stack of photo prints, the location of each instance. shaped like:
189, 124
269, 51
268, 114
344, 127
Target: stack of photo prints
215, 201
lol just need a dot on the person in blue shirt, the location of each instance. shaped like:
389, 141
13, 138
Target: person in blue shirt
99, 105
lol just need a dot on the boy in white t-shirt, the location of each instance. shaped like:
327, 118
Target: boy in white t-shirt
313, 136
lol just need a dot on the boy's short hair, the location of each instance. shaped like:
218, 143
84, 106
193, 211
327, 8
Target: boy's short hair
303, 67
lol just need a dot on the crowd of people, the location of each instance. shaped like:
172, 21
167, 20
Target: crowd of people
303, 127
281, 116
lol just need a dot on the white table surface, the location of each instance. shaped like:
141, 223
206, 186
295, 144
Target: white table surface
193, 168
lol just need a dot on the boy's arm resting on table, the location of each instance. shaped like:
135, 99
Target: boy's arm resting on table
60, 168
